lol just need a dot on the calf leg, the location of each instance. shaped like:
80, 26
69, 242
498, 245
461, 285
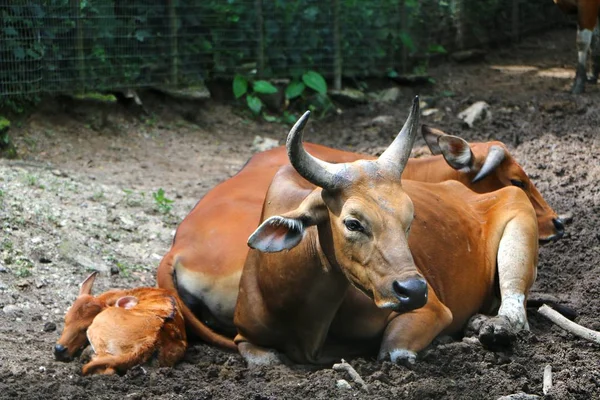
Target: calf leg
517, 270
108, 364
255, 355
408, 333
584, 39
595, 54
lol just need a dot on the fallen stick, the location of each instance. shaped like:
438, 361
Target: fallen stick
569, 326
547, 385
344, 366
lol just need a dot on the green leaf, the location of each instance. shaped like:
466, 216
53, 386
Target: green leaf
270, 118
10, 31
315, 81
264, 87
141, 35
294, 89
19, 53
437, 48
254, 104
240, 86
407, 41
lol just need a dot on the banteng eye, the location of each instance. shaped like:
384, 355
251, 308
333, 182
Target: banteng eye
517, 183
353, 225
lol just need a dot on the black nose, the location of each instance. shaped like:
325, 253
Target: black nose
559, 225
60, 351
412, 293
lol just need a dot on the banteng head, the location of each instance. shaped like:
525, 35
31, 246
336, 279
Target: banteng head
77, 321
490, 166
363, 218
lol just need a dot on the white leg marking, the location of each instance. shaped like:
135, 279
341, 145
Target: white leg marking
584, 40
399, 355
513, 308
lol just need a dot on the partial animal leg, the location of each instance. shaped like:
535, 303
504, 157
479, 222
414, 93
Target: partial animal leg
584, 39
593, 78
109, 364
408, 333
517, 270
257, 356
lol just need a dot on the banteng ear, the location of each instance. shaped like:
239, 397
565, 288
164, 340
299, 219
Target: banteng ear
431, 136
86, 285
126, 302
456, 151
284, 232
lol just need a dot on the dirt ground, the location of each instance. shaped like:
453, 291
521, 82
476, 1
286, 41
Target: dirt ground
80, 198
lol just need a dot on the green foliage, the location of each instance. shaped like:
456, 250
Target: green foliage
163, 204
315, 81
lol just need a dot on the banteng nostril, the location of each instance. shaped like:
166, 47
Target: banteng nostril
559, 225
412, 293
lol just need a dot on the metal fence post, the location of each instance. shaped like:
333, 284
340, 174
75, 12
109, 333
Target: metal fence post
337, 47
515, 20
76, 9
172, 5
260, 43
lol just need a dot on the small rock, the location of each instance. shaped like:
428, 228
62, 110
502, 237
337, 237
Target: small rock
87, 264
349, 97
11, 310
390, 95
126, 223
476, 112
519, 396
36, 240
380, 120
114, 270
39, 283
429, 111
343, 384
60, 173
49, 326
468, 55
3, 268
42, 369
263, 143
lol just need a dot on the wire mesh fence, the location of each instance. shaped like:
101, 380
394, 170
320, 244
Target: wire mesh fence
50, 46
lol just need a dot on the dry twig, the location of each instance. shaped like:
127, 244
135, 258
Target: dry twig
344, 366
547, 385
569, 326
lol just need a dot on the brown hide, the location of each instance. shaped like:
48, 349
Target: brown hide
209, 248
153, 324
291, 309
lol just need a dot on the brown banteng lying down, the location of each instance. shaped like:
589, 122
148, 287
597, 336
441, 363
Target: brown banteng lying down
124, 328
333, 258
588, 36
205, 261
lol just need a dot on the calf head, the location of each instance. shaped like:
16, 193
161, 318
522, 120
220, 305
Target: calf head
363, 218
488, 167
77, 320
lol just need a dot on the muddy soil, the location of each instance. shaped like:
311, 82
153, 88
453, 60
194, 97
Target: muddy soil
81, 198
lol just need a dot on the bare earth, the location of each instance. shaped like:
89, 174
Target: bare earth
81, 199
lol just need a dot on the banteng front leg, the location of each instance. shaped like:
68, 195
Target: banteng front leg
593, 78
517, 270
407, 334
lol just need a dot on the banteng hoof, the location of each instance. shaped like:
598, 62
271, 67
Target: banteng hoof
497, 332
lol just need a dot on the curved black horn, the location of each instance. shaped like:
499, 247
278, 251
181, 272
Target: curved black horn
494, 158
396, 155
317, 172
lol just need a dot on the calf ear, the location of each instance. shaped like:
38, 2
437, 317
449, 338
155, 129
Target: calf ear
126, 302
284, 232
86, 285
456, 151
431, 136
